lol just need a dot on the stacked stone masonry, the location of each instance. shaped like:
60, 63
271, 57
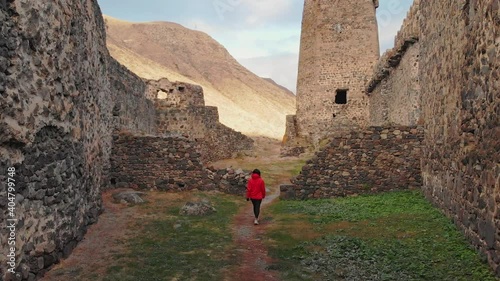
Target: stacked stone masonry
55, 113
229, 180
168, 163
131, 111
339, 47
362, 161
460, 85
157, 162
182, 109
62, 96
394, 91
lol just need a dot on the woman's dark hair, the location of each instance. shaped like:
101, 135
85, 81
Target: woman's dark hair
256, 171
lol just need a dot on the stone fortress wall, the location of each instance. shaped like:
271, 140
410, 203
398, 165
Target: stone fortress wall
441, 76
166, 163
62, 98
394, 88
131, 111
459, 77
55, 122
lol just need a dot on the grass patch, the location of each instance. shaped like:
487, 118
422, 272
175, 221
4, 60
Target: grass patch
273, 173
168, 246
390, 236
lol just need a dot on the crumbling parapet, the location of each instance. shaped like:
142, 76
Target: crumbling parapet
406, 37
388, 62
174, 94
394, 88
411, 25
180, 108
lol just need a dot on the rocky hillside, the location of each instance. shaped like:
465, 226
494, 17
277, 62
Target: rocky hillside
246, 102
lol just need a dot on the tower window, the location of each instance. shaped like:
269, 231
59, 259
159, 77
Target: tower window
341, 96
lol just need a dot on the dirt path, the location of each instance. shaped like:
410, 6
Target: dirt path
98, 245
253, 259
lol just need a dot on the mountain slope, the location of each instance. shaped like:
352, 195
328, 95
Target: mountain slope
279, 86
246, 102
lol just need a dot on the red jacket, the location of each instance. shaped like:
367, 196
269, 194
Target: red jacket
256, 188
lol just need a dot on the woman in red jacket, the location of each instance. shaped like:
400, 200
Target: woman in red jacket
256, 191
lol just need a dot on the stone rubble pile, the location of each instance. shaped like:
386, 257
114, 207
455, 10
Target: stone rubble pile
229, 180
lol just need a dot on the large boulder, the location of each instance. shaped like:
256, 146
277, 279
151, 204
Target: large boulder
130, 197
202, 208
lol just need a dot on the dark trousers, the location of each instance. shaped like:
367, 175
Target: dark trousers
256, 207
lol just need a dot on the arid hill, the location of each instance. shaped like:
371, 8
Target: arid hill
246, 102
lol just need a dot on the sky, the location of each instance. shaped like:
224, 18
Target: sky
263, 35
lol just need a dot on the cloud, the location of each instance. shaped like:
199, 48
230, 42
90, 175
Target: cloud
387, 35
391, 11
251, 42
257, 13
283, 41
261, 11
265, 42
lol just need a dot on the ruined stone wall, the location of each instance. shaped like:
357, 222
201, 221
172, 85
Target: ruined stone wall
61, 96
175, 94
339, 47
170, 163
394, 88
54, 126
460, 74
224, 143
395, 99
132, 112
410, 27
181, 109
229, 180
363, 161
194, 121
200, 124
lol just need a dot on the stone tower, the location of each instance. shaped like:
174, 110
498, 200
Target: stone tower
339, 47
